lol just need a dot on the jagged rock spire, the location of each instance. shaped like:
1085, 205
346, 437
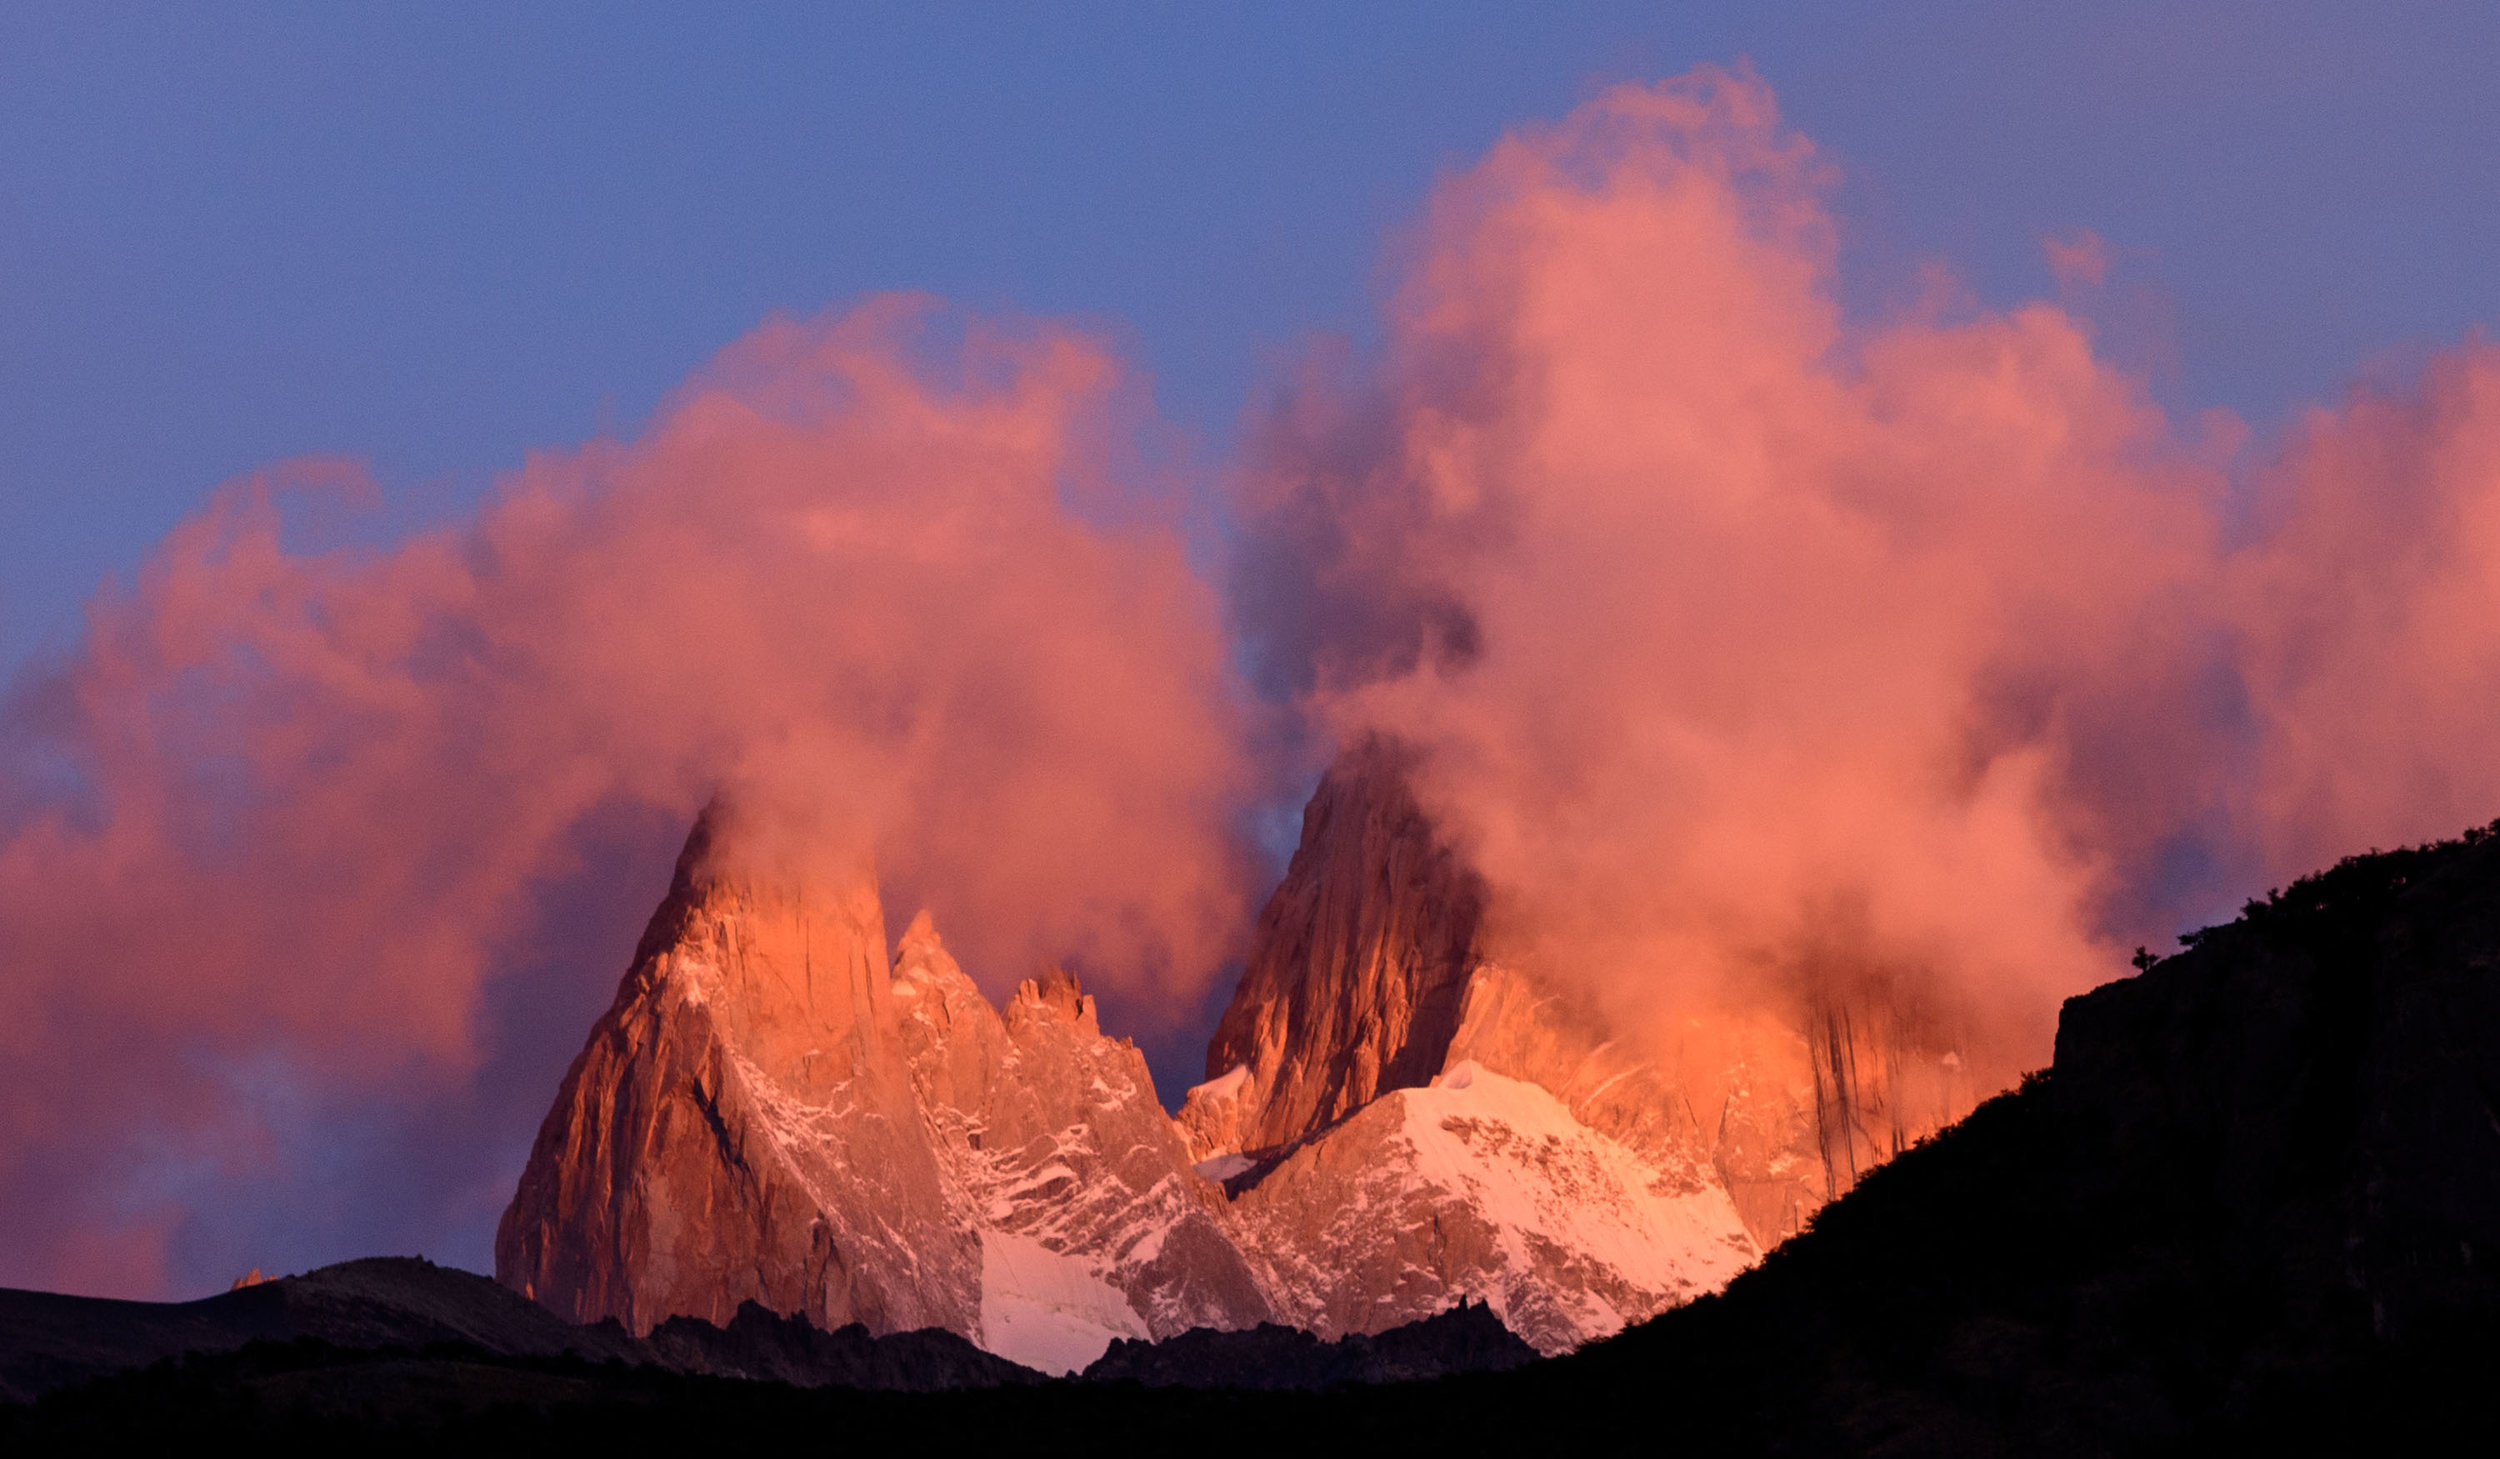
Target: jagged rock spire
682, 1169
1359, 967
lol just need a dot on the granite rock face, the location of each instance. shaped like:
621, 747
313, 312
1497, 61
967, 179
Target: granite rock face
775, 1111
1092, 1224
1358, 971
742, 1127
1404, 1124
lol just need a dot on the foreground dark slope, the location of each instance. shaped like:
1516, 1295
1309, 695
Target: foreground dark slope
49, 1341
2254, 1203
2258, 1195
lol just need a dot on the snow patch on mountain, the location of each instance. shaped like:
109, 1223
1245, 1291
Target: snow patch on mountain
1045, 1309
1539, 1175
1224, 1167
1486, 1187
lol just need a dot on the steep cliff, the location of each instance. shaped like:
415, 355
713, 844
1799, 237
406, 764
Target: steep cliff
742, 1127
1092, 1224
1404, 1124
771, 1113
1358, 969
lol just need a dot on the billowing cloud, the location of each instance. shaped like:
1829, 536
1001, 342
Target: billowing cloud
1767, 658
280, 822
2366, 603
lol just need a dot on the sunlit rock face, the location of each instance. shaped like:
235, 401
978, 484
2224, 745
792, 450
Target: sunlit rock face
772, 1112
776, 1110
1727, 1115
1368, 977
1404, 1124
1092, 1224
742, 1127
1358, 971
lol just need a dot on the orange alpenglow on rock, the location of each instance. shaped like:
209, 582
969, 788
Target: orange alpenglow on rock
774, 1111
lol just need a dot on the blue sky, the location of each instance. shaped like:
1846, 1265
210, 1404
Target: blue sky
435, 236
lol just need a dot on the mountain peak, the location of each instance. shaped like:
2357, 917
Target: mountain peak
920, 936
776, 1111
1359, 965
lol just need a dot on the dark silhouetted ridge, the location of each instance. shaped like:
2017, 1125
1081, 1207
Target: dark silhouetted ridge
1467, 1338
49, 1341
2254, 1201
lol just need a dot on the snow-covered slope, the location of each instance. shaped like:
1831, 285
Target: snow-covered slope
1481, 1186
1047, 1309
1057, 1150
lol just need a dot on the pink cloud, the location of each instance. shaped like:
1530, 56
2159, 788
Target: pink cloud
1767, 658
839, 574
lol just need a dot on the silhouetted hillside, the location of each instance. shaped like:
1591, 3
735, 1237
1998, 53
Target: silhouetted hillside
48, 1341
1467, 1338
2255, 1198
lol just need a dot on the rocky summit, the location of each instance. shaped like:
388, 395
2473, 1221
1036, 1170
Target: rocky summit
773, 1111
782, 1108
